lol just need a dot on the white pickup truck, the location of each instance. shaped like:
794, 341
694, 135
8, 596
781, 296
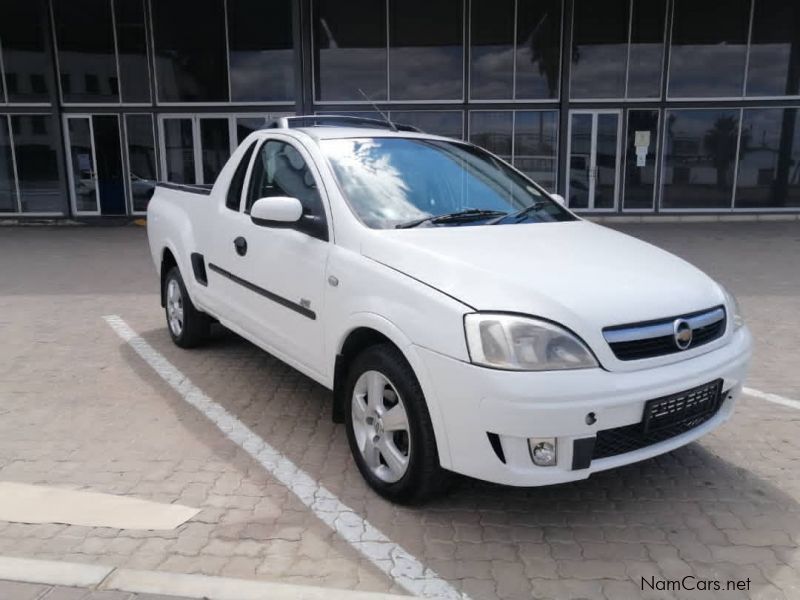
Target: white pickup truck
464, 319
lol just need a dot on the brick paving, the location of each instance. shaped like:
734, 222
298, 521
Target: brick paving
11, 590
79, 409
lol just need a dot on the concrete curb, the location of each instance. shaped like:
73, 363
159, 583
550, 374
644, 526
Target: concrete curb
100, 577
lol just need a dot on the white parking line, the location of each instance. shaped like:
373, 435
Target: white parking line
772, 398
391, 558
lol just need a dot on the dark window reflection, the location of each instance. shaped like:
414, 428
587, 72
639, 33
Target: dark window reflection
647, 48
699, 158
86, 49
769, 159
640, 161
26, 62
492, 130
179, 150
774, 65
247, 125
37, 163
709, 43
215, 147
449, 123
132, 45
599, 49
350, 49
536, 145
492, 49
261, 50
191, 61
8, 190
142, 175
426, 49
538, 49
110, 174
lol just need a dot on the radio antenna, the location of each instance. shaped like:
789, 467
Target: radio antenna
378, 110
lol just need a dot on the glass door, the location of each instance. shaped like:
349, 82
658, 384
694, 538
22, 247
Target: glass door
82, 165
96, 176
593, 169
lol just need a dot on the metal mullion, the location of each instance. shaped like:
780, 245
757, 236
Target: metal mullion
94, 166
150, 35
623, 151
747, 49
628, 54
564, 118
388, 62
4, 99
197, 150
514, 57
657, 157
593, 161
736, 164
513, 134
232, 144
55, 51
116, 50
14, 163
618, 166
227, 50
126, 162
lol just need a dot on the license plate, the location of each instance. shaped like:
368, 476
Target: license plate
678, 408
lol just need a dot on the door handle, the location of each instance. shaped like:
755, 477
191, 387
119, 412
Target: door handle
241, 245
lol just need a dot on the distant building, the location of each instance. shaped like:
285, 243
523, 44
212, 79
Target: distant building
100, 98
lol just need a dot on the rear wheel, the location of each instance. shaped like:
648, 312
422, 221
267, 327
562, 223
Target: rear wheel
187, 326
389, 428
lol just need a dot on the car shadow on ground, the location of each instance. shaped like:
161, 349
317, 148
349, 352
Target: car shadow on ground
689, 512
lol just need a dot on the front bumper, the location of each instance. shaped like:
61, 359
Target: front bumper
473, 401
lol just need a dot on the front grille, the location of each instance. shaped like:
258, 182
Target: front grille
657, 338
663, 418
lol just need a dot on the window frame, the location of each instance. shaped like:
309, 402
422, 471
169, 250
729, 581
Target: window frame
148, 26
312, 166
246, 162
465, 15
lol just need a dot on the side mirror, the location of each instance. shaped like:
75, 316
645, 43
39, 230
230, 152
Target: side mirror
559, 198
276, 211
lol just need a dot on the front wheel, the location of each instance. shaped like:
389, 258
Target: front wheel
187, 326
389, 428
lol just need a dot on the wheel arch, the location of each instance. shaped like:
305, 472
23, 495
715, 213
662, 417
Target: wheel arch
365, 330
168, 260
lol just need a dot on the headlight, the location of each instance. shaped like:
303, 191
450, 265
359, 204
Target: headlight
733, 306
523, 344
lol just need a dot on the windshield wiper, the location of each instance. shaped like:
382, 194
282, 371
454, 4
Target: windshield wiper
521, 214
471, 214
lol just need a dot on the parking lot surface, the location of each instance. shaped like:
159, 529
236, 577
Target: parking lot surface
80, 408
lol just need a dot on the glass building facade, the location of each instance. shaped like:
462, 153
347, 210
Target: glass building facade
622, 106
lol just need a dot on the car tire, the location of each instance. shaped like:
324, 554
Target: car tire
377, 439
187, 326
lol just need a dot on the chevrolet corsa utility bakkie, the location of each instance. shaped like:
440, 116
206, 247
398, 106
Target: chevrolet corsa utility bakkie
465, 320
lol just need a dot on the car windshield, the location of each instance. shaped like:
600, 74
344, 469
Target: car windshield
408, 182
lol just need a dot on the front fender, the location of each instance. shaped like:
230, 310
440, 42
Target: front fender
391, 331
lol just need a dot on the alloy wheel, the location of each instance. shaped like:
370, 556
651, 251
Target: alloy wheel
381, 428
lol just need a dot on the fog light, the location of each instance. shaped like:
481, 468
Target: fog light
543, 451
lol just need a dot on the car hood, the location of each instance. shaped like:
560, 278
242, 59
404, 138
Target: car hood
579, 274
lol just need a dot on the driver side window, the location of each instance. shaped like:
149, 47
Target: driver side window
279, 170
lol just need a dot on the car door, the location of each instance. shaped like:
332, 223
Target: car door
225, 253
285, 266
